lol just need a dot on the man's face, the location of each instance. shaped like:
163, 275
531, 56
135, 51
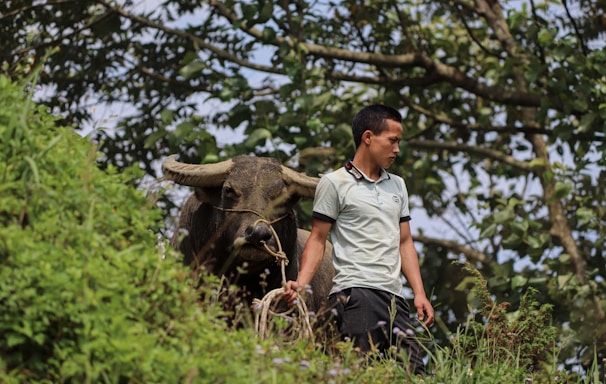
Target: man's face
385, 146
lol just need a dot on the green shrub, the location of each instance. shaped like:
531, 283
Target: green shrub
527, 338
498, 346
85, 293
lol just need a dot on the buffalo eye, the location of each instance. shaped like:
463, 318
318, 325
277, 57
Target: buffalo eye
229, 192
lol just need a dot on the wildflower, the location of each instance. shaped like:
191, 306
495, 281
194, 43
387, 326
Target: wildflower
259, 349
381, 323
278, 361
304, 364
333, 372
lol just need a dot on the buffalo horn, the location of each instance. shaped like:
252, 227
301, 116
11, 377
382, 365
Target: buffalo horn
305, 185
196, 175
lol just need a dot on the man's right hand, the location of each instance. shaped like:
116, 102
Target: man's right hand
291, 288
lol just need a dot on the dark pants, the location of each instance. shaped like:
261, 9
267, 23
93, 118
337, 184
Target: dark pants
375, 320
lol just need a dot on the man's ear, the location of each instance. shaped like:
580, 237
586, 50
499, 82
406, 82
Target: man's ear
366, 137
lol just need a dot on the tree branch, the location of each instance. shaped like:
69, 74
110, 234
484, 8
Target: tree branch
29, 7
458, 9
492, 12
220, 53
435, 69
471, 149
454, 247
527, 129
576, 28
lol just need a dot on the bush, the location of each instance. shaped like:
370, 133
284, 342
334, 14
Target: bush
86, 295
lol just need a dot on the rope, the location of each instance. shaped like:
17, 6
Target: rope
262, 307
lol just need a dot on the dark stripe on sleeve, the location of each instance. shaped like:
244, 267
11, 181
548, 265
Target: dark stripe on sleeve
404, 219
320, 216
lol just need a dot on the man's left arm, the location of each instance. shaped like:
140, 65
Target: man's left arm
412, 273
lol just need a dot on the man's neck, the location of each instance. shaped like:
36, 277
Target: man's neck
372, 171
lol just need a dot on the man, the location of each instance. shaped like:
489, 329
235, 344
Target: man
365, 210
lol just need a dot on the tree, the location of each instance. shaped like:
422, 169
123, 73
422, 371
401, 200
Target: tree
504, 104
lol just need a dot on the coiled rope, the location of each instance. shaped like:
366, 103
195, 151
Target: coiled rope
262, 307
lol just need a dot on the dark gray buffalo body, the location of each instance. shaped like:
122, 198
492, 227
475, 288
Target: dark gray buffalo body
222, 228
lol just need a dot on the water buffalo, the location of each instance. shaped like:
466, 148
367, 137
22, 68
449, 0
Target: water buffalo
225, 223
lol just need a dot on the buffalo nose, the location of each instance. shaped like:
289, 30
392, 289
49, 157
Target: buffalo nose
256, 234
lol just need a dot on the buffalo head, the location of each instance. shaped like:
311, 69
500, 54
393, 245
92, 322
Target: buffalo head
237, 209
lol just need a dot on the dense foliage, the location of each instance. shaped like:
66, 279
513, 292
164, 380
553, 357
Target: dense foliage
505, 105
86, 295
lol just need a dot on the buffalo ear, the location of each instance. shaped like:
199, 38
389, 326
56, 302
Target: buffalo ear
209, 195
303, 185
292, 197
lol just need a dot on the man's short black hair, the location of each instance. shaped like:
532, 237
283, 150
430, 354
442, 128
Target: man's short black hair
373, 118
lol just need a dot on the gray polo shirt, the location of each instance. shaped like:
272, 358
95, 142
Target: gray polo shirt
365, 216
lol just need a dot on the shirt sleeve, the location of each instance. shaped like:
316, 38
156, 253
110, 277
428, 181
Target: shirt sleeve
404, 210
326, 201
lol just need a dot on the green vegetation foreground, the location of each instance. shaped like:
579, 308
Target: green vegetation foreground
87, 295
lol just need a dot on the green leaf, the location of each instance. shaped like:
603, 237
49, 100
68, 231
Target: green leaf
515, 19
192, 69
183, 129
537, 163
564, 258
257, 136
535, 242
266, 12
563, 280
562, 190
488, 231
167, 116
587, 122
518, 281
520, 228
504, 216
512, 241
584, 215
545, 37
153, 138
269, 34
580, 104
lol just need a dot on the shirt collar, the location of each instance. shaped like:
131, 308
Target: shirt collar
359, 175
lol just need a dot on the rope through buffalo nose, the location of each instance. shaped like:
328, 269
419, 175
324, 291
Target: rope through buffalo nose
279, 254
